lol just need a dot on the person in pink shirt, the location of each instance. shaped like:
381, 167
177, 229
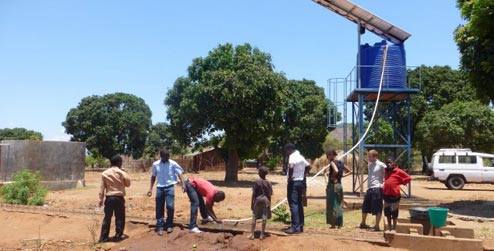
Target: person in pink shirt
196, 189
394, 177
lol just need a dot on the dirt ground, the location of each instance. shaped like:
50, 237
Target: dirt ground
71, 220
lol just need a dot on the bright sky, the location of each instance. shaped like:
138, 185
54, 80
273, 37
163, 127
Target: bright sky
53, 53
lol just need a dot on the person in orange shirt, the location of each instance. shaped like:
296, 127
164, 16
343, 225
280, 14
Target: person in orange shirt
113, 183
394, 177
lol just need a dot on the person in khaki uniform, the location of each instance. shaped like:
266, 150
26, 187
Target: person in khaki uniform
113, 183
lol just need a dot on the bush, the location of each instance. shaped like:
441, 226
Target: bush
281, 214
99, 161
272, 163
25, 189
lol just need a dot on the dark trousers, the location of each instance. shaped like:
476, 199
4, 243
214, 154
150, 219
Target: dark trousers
196, 201
113, 204
295, 190
165, 195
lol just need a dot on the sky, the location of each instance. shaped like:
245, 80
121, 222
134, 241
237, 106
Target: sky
53, 53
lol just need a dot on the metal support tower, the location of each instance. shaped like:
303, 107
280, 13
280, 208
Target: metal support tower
394, 108
395, 102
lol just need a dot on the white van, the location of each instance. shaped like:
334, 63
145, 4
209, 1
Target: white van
455, 167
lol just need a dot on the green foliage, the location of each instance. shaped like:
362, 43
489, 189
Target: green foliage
475, 41
384, 135
19, 134
281, 214
233, 92
304, 118
160, 137
111, 124
440, 85
273, 162
98, 161
330, 142
24, 189
459, 124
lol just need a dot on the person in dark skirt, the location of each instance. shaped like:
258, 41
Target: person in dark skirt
334, 190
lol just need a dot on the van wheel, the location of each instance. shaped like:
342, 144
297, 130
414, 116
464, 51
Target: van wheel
455, 182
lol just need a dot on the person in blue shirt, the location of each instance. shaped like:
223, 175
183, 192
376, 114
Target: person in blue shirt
166, 172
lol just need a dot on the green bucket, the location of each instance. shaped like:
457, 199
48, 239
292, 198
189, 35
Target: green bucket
437, 216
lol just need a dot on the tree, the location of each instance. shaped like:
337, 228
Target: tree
475, 41
160, 137
330, 142
111, 124
19, 134
233, 92
305, 117
458, 124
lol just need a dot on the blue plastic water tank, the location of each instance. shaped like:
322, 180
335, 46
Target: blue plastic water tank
371, 58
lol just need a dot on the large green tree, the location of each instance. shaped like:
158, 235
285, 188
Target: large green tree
475, 40
19, 134
458, 124
304, 119
439, 86
233, 92
111, 124
160, 137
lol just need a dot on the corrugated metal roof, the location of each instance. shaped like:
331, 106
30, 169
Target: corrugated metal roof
368, 20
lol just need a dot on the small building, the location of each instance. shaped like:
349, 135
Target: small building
209, 159
61, 164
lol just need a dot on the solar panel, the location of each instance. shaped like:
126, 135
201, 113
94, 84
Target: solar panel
366, 19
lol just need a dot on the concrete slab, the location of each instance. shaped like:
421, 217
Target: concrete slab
406, 228
432, 243
458, 232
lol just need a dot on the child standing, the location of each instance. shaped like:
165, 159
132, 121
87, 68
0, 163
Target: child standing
393, 178
261, 201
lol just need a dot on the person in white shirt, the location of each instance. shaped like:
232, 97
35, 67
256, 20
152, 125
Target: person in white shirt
373, 200
295, 188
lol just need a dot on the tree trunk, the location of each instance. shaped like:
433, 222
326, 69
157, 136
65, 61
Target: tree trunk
232, 166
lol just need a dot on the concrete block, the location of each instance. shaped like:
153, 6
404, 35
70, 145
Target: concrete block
432, 243
458, 232
445, 233
404, 228
403, 220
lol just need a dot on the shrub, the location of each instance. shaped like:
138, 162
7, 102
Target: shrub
25, 189
281, 214
99, 161
272, 163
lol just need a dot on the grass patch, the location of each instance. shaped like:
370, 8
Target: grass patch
485, 233
351, 219
317, 219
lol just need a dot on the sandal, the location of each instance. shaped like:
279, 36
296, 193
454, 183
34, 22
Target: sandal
363, 226
375, 229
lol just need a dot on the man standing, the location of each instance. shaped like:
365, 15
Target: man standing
113, 183
197, 188
295, 188
373, 200
166, 170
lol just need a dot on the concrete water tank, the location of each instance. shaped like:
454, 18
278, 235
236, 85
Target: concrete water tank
60, 163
